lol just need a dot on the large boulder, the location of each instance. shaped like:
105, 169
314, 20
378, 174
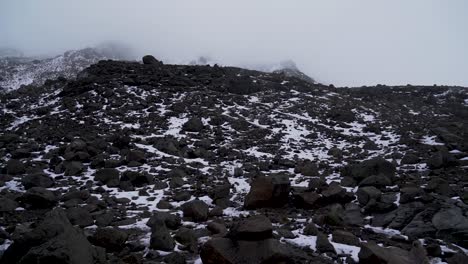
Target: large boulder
194, 124
256, 227
38, 197
7, 205
272, 191
79, 216
171, 221
111, 239
37, 180
227, 251
196, 209
367, 168
151, 60
441, 159
372, 253
108, 176
14, 167
54, 240
161, 239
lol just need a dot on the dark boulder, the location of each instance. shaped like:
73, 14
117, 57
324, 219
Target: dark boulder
7, 205
194, 124
372, 253
161, 239
108, 176
197, 210
272, 191
256, 227
323, 244
79, 216
112, 239
37, 180
367, 168
14, 167
38, 197
172, 221
54, 240
227, 251
151, 60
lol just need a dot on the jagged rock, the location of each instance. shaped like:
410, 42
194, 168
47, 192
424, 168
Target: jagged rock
196, 209
256, 227
272, 191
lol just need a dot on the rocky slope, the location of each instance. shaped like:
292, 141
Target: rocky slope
155, 163
17, 70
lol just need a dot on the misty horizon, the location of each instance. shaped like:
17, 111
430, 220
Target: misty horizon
335, 42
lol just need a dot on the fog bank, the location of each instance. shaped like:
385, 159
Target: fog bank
347, 43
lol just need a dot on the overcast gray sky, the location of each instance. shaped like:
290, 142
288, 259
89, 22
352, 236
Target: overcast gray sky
347, 43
